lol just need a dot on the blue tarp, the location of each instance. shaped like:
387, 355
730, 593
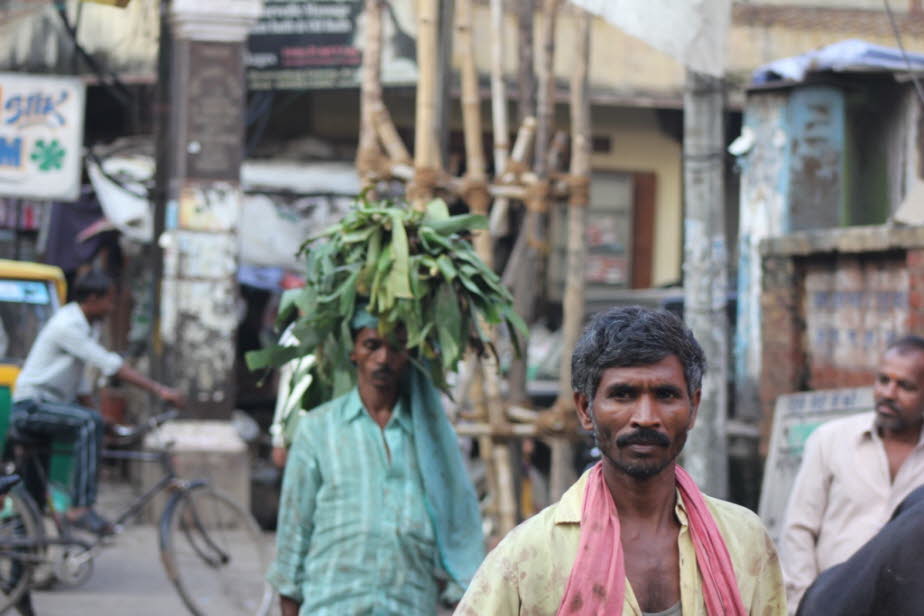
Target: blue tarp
850, 56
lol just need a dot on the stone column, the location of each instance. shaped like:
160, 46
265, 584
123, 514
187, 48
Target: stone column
206, 132
705, 275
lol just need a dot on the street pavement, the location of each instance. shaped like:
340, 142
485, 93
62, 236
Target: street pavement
128, 577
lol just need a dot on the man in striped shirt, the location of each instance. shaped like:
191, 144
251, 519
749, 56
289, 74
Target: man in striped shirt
369, 519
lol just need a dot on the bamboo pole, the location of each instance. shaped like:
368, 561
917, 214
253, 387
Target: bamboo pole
477, 196
501, 124
426, 146
579, 199
526, 75
388, 134
545, 103
532, 241
368, 152
481, 430
476, 191
563, 474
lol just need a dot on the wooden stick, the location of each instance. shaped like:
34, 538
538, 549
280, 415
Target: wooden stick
368, 152
521, 148
526, 75
545, 106
573, 304
556, 151
508, 174
477, 197
426, 150
532, 236
562, 474
487, 430
498, 88
388, 134
476, 193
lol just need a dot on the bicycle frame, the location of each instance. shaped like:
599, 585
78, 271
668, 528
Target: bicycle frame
169, 481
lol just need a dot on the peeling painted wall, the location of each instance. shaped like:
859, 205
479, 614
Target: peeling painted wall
764, 184
199, 313
853, 307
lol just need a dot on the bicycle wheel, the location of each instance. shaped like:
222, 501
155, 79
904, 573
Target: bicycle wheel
214, 554
21, 539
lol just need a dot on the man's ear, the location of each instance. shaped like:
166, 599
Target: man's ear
694, 406
582, 404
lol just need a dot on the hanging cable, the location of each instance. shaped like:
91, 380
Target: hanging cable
110, 80
901, 47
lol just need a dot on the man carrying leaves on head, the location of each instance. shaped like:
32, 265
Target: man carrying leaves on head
375, 499
378, 514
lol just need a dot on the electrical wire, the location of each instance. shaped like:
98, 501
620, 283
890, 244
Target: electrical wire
111, 81
901, 47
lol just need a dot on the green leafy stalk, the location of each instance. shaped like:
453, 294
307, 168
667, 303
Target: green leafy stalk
410, 269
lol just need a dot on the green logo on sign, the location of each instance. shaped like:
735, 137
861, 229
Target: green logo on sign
48, 155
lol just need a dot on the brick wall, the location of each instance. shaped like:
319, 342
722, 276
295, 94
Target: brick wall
832, 301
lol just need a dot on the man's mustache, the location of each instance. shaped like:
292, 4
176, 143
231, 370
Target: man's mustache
643, 436
382, 373
889, 404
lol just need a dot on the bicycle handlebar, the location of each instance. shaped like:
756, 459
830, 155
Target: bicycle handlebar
131, 434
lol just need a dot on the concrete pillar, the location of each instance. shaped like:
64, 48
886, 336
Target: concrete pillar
705, 281
199, 291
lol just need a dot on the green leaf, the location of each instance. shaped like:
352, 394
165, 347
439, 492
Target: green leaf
357, 236
398, 283
444, 263
434, 240
437, 210
448, 325
416, 269
462, 222
381, 268
271, 356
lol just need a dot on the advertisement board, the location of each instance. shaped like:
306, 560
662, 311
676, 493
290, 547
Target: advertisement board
41, 136
317, 44
795, 417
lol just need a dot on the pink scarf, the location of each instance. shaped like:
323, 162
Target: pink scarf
597, 584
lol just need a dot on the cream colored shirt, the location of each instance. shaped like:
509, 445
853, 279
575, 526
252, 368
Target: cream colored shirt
841, 497
527, 572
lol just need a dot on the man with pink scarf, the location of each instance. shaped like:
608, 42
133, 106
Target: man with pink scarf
634, 535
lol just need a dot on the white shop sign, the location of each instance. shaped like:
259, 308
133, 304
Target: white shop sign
41, 136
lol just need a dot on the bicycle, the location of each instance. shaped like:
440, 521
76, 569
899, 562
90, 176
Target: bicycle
211, 548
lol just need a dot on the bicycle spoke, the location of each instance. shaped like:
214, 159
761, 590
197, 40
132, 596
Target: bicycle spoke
217, 554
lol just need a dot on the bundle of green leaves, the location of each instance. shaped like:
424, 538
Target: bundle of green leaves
414, 271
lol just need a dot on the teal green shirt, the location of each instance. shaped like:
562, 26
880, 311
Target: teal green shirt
354, 535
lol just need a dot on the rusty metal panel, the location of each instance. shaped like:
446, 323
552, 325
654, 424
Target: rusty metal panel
817, 157
854, 306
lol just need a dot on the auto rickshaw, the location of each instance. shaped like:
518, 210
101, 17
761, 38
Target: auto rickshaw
30, 293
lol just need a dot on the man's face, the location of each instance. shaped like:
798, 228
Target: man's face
899, 391
96, 307
640, 416
379, 363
